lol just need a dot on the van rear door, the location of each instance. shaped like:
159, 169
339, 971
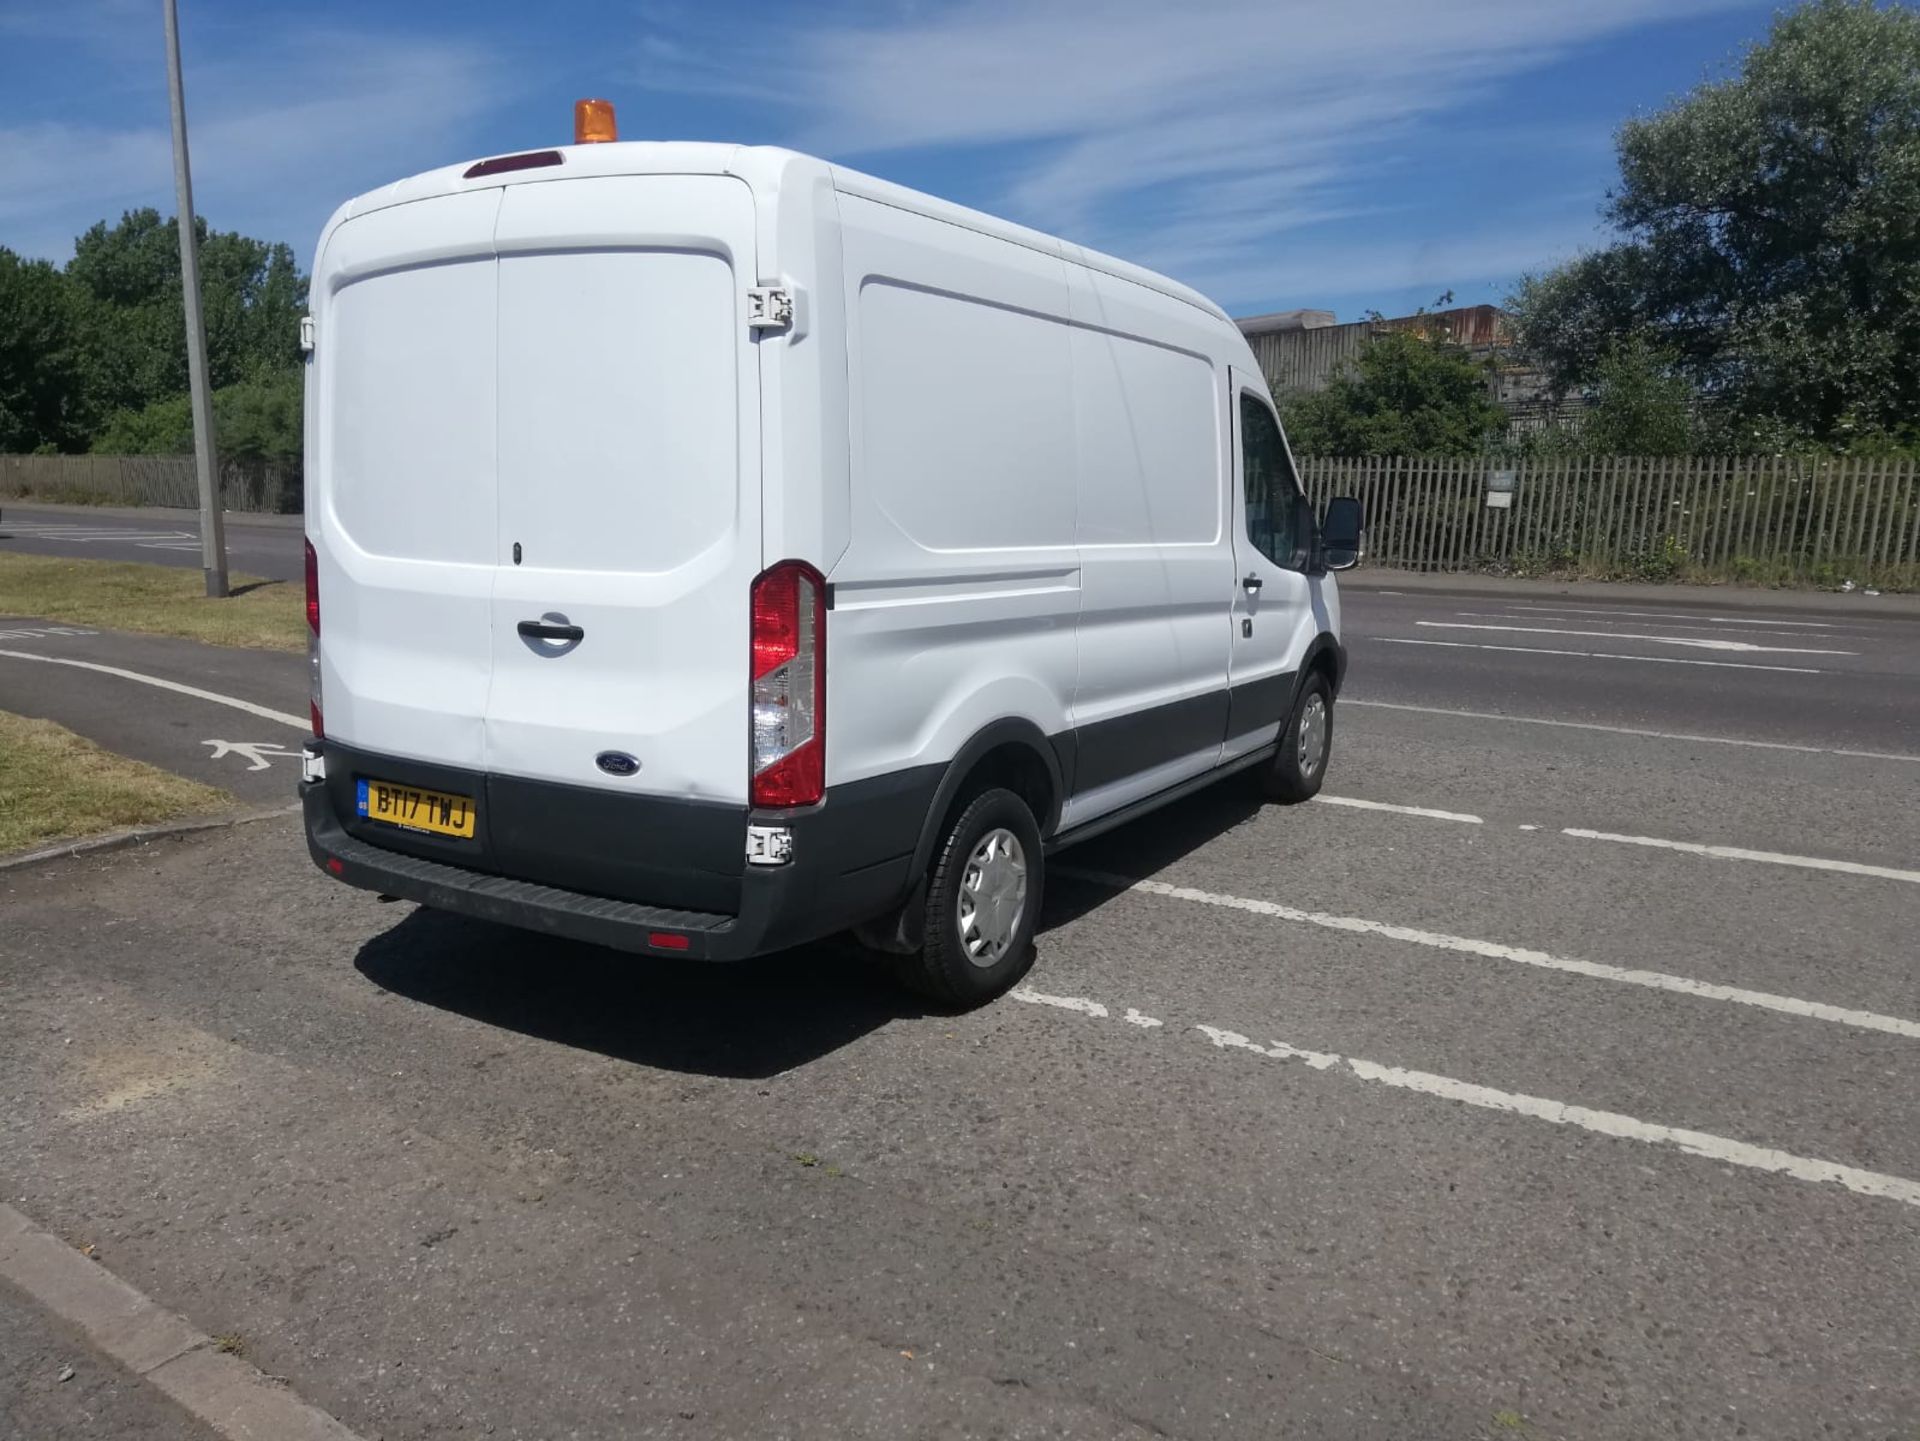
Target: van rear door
628, 506
403, 513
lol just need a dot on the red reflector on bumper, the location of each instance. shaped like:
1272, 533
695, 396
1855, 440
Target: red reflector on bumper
336, 865
666, 941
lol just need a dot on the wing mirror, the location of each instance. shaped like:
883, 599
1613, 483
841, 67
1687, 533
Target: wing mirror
1342, 533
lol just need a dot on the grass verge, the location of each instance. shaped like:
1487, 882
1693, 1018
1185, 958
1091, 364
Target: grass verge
156, 599
56, 786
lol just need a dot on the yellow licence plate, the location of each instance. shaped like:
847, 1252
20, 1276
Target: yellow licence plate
416, 808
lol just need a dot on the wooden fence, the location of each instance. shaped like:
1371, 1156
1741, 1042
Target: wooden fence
1770, 520
166, 480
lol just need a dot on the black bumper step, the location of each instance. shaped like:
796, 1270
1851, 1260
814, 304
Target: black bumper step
625, 925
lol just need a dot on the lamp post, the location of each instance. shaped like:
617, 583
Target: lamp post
213, 532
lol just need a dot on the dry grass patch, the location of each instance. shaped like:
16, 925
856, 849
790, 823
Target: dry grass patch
55, 786
155, 599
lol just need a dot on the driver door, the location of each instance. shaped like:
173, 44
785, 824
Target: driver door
1274, 549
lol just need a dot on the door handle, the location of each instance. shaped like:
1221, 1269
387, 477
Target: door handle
1252, 582
546, 630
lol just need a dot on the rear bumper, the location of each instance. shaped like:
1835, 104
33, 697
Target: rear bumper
852, 858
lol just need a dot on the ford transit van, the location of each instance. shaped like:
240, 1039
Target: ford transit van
711, 549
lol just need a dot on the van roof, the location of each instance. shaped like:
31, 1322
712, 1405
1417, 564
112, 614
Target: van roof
765, 167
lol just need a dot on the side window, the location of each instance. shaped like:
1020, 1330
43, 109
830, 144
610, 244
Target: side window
1272, 489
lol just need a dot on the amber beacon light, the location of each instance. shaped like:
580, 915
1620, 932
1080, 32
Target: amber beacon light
593, 122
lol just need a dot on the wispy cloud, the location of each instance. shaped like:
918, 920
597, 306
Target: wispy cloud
284, 124
1191, 135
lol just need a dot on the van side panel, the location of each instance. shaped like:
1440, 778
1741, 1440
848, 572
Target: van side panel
1156, 563
956, 600
402, 498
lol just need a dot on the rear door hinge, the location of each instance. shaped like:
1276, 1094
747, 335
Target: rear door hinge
769, 307
306, 335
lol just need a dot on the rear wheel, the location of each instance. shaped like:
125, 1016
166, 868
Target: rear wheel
983, 904
1306, 741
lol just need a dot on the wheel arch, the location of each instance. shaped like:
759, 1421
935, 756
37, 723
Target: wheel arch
1014, 747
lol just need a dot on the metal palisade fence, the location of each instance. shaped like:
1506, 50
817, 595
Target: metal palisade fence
166, 480
1766, 520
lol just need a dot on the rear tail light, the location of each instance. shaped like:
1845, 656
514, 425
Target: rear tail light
789, 686
313, 642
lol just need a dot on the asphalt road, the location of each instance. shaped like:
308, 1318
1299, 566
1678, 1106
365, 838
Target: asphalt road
242, 731
268, 546
1554, 1077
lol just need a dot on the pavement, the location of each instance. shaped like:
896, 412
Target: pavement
54, 1386
1553, 1077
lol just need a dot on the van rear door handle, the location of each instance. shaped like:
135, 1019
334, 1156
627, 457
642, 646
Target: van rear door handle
545, 630
1252, 582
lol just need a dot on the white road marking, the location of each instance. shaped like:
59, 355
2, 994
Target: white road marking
260, 754
1736, 853
43, 632
1135, 1018
1677, 625
1494, 950
1670, 615
1599, 655
1529, 828
1534, 720
297, 722
87, 534
1063, 1003
1559, 1113
1604, 1123
1696, 641
1359, 804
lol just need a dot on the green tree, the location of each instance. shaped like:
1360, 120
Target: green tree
1770, 236
1403, 395
42, 364
135, 337
257, 419
1640, 405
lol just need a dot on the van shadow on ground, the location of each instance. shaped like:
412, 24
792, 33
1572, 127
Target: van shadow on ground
738, 1020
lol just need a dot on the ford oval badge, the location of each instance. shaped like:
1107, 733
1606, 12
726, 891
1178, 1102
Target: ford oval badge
616, 763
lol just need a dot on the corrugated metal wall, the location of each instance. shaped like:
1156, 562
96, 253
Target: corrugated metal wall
1307, 359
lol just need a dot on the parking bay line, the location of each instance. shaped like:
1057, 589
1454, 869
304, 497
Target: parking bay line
297, 722
1738, 853
1605, 1123
1597, 654
1432, 815
1560, 1113
1697, 848
1533, 720
1494, 950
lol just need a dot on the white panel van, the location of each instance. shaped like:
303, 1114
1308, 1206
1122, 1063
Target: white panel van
711, 549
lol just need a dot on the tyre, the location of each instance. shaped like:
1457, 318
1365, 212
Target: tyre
983, 904
1306, 741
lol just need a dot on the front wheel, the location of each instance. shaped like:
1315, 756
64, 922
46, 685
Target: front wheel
983, 904
1306, 740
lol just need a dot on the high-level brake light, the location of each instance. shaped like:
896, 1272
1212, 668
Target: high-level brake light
593, 122
789, 674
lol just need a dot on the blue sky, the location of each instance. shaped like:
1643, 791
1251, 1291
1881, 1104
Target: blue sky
1345, 154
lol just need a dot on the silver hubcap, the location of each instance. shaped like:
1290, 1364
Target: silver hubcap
1313, 734
993, 896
